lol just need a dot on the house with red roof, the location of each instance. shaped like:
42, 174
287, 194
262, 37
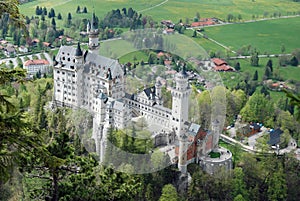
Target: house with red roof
38, 65
205, 22
221, 65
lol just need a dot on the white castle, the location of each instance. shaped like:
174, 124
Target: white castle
84, 79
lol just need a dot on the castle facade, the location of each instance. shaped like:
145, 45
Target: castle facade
85, 79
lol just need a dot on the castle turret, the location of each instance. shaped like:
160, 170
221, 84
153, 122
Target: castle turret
78, 55
180, 106
215, 125
158, 86
93, 35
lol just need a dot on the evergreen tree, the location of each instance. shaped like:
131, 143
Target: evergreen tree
255, 76
265, 91
294, 61
78, 9
59, 16
52, 12
43, 17
194, 34
268, 73
270, 64
45, 11
237, 66
84, 10
254, 59
53, 23
69, 16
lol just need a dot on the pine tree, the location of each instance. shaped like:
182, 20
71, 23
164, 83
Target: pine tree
84, 10
78, 9
270, 64
194, 34
237, 66
268, 73
69, 16
52, 12
254, 59
59, 16
53, 23
255, 77
37, 10
45, 11
294, 61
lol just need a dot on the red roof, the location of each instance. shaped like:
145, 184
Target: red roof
160, 54
36, 62
35, 40
46, 44
204, 22
223, 68
167, 62
219, 62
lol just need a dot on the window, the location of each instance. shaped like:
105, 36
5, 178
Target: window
58, 72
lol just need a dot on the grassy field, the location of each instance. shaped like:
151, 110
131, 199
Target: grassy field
266, 36
171, 9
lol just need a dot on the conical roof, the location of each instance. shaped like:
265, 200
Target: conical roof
78, 50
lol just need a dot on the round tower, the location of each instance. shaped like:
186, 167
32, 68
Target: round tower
182, 153
93, 35
180, 106
215, 127
78, 56
158, 86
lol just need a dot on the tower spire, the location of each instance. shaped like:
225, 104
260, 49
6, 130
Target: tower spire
78, 52
93, 34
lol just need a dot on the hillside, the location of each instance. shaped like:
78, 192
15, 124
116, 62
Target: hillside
175, 9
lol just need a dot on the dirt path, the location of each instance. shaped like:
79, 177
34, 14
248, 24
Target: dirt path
146, 9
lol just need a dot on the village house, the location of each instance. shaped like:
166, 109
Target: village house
205, 22
38, 65
10, 51
23, 49
221, 65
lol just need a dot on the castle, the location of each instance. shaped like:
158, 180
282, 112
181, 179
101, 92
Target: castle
85, 79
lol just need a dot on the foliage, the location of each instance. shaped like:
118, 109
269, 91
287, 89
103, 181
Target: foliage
11, 7
257, 109
18, 137
169, 193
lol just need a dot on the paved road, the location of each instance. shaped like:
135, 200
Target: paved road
14, 60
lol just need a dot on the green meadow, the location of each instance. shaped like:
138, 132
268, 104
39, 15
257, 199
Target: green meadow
266, 36
172, 9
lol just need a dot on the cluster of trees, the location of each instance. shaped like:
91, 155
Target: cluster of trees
78, 10
127, 18
41, 152
232, 18
43, 12
292, 60
254, 178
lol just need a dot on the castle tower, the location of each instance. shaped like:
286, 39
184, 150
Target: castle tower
93, 35
78, 56
100, 130
215, 127
158, 86
79, 60
180, 106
